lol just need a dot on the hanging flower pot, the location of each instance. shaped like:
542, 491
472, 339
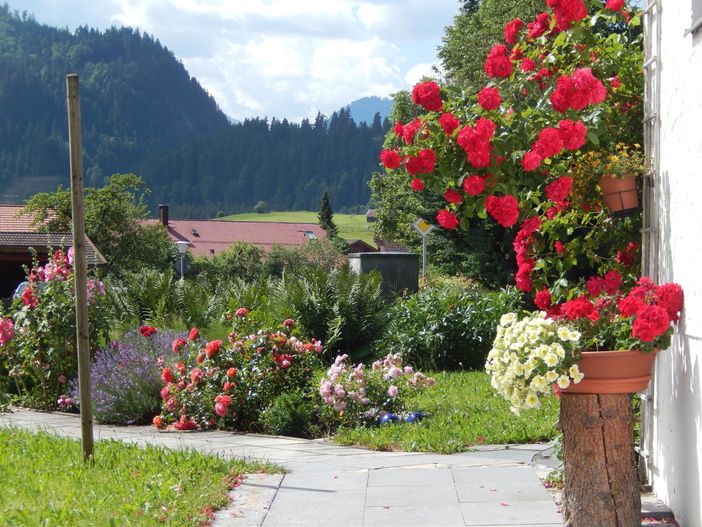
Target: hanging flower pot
619, 194
613, 372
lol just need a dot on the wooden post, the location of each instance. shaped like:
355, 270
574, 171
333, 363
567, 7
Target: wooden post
80, 267
600, 481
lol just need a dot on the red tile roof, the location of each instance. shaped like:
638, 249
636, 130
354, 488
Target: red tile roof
219, 235
11, 222
18, 234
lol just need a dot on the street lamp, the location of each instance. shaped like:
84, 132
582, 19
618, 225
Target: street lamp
182, 248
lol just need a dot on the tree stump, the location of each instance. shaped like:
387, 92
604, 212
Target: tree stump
601, 486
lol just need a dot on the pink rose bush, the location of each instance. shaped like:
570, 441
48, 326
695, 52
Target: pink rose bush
37, 331
358, 394
226, 385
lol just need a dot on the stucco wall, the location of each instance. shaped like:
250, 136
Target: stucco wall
677, 414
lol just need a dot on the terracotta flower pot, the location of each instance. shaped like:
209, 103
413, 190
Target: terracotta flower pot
619, 194
613, 372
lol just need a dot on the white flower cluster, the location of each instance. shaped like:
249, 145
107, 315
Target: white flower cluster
529, 356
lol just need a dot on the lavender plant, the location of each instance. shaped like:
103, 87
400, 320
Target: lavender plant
126, 376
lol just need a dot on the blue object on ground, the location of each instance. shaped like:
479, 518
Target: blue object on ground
388, 418
414, 417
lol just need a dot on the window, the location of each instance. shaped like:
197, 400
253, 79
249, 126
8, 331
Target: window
310, 235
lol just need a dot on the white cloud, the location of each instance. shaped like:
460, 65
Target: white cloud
279, 58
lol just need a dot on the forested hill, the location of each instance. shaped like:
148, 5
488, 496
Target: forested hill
143, 113
135, 98
287, 165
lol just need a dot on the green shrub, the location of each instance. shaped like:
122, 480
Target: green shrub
341, 308
440, 328
290, 414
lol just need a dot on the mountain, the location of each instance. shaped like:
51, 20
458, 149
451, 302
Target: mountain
364, 109
135, 98
142, 112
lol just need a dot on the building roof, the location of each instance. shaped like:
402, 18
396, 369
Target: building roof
360, 246
208, 237
17, 234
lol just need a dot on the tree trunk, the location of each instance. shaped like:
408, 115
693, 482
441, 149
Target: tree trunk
601, 483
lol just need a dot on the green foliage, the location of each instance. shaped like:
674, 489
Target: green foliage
441, 328
261, 207
290, 414
341, 308
326, 217
160, 299
241, 260
128, 484
468, 40
463, 411
113, 215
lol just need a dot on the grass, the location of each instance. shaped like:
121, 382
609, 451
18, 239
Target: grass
351, 226
46, 483
464, 411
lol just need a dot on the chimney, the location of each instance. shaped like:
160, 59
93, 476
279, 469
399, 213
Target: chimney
163, 215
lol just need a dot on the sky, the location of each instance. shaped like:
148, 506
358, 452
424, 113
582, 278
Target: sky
278, 58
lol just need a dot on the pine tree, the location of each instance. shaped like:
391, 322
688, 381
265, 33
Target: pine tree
326, 217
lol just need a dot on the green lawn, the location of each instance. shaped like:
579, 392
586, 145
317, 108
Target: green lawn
46, 483
465, 411
351, 226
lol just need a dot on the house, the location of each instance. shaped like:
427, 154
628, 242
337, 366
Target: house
209, 237
389, 246
371, 215
672, 409
18, 237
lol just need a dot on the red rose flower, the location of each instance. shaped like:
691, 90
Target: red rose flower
559, 246
398, 129
449, 122
626, 257
212, 348
548, 144
185, 424
410, 130
476, 142
417, 184
422, 163
542, 300
447, 219
226, 400
474, 185
578, 91
573, 133
220, 409
231, 372
567, 12
559, 190
177, 344
241, 312
650, 322
528, 65
512, 29
452, 196
147, 331
288, 322
194, 333
579, 307
7, 332
157, 421
489, 98
504, 209
428, 95
531, 161
630, 305
594, 286
612, 281
614, 5
498, 63
167, 375
539, 26
390, 159
670, 298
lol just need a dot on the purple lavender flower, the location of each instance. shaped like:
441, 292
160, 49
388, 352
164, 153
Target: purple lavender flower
126, 378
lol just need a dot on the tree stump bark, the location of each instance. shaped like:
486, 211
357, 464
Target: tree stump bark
601, 486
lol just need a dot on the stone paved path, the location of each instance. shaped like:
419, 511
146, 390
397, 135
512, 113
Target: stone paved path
333, 486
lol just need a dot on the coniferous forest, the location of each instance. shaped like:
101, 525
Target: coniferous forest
143, 113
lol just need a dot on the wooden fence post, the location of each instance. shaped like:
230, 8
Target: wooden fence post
80, 271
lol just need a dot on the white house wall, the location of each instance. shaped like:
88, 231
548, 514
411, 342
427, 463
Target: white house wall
676, 465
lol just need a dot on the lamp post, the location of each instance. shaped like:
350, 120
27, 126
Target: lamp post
182, 248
